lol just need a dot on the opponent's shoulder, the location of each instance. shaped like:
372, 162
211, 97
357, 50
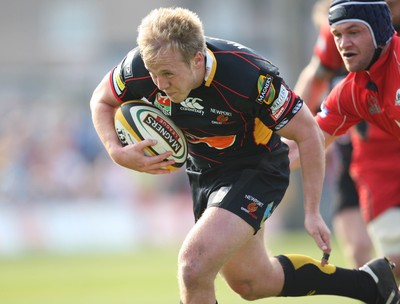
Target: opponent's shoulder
345, 101
342, 90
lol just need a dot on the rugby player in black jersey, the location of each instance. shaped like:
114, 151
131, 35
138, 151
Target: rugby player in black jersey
233, 107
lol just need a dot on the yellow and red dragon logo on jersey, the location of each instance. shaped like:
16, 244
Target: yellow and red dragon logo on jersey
163, 103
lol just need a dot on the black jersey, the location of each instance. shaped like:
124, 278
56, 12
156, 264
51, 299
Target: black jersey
242, 101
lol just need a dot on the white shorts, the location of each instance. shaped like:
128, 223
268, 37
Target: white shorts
385, 232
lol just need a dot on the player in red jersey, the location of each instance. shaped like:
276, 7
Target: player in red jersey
368, 45
322, 72
215, 89
325, 69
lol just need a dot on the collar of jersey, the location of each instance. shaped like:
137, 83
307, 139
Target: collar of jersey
376, 68
375, 72
211, 67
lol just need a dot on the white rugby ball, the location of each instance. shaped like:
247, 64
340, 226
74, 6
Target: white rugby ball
137, 120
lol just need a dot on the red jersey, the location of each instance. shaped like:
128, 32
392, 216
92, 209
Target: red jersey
375, 167
373, 96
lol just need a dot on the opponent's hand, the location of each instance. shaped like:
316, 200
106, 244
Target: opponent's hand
133, 157
317, 228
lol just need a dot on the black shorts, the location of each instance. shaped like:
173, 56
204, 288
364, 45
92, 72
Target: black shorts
347, 196
249, 187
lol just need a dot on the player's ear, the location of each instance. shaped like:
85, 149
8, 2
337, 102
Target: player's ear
199, 60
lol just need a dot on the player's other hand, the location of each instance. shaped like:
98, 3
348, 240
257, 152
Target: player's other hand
317, 228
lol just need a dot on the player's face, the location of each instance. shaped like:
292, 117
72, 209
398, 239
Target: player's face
175, 77
355, 44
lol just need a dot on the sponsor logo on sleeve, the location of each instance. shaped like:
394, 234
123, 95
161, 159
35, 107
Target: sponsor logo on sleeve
281, 124
119, 85
128, 71
279, 106
265, 89
297, 107
127, 67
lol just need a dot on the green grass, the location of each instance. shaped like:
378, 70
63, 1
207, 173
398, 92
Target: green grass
142, 277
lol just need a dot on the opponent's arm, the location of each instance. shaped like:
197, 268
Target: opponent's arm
313, 82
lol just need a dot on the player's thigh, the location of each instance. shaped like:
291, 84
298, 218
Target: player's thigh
385, 233
216, 236
386, 236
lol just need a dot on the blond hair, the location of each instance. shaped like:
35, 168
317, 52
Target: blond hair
176, 29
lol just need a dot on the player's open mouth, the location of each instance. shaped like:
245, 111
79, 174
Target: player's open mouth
348, 55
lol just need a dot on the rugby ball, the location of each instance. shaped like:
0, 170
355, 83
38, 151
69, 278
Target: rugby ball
137, 120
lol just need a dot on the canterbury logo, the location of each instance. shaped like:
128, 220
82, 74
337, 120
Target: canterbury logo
192, 103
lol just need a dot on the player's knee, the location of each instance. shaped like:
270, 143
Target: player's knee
187, 273
190, 270
245, 289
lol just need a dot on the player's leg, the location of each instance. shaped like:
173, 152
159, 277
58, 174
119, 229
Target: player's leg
378, 187
217, 235
349, 226
254, 275
351, 233
236, 199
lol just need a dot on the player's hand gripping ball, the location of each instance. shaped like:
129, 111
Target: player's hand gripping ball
137, 120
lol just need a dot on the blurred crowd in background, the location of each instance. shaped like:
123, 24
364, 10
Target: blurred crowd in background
58, 188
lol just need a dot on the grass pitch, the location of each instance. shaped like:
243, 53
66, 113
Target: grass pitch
141, 277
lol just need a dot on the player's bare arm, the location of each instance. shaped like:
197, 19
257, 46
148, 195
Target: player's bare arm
103, 105
305, 132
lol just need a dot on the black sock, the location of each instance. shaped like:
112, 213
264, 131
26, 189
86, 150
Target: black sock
306, 276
